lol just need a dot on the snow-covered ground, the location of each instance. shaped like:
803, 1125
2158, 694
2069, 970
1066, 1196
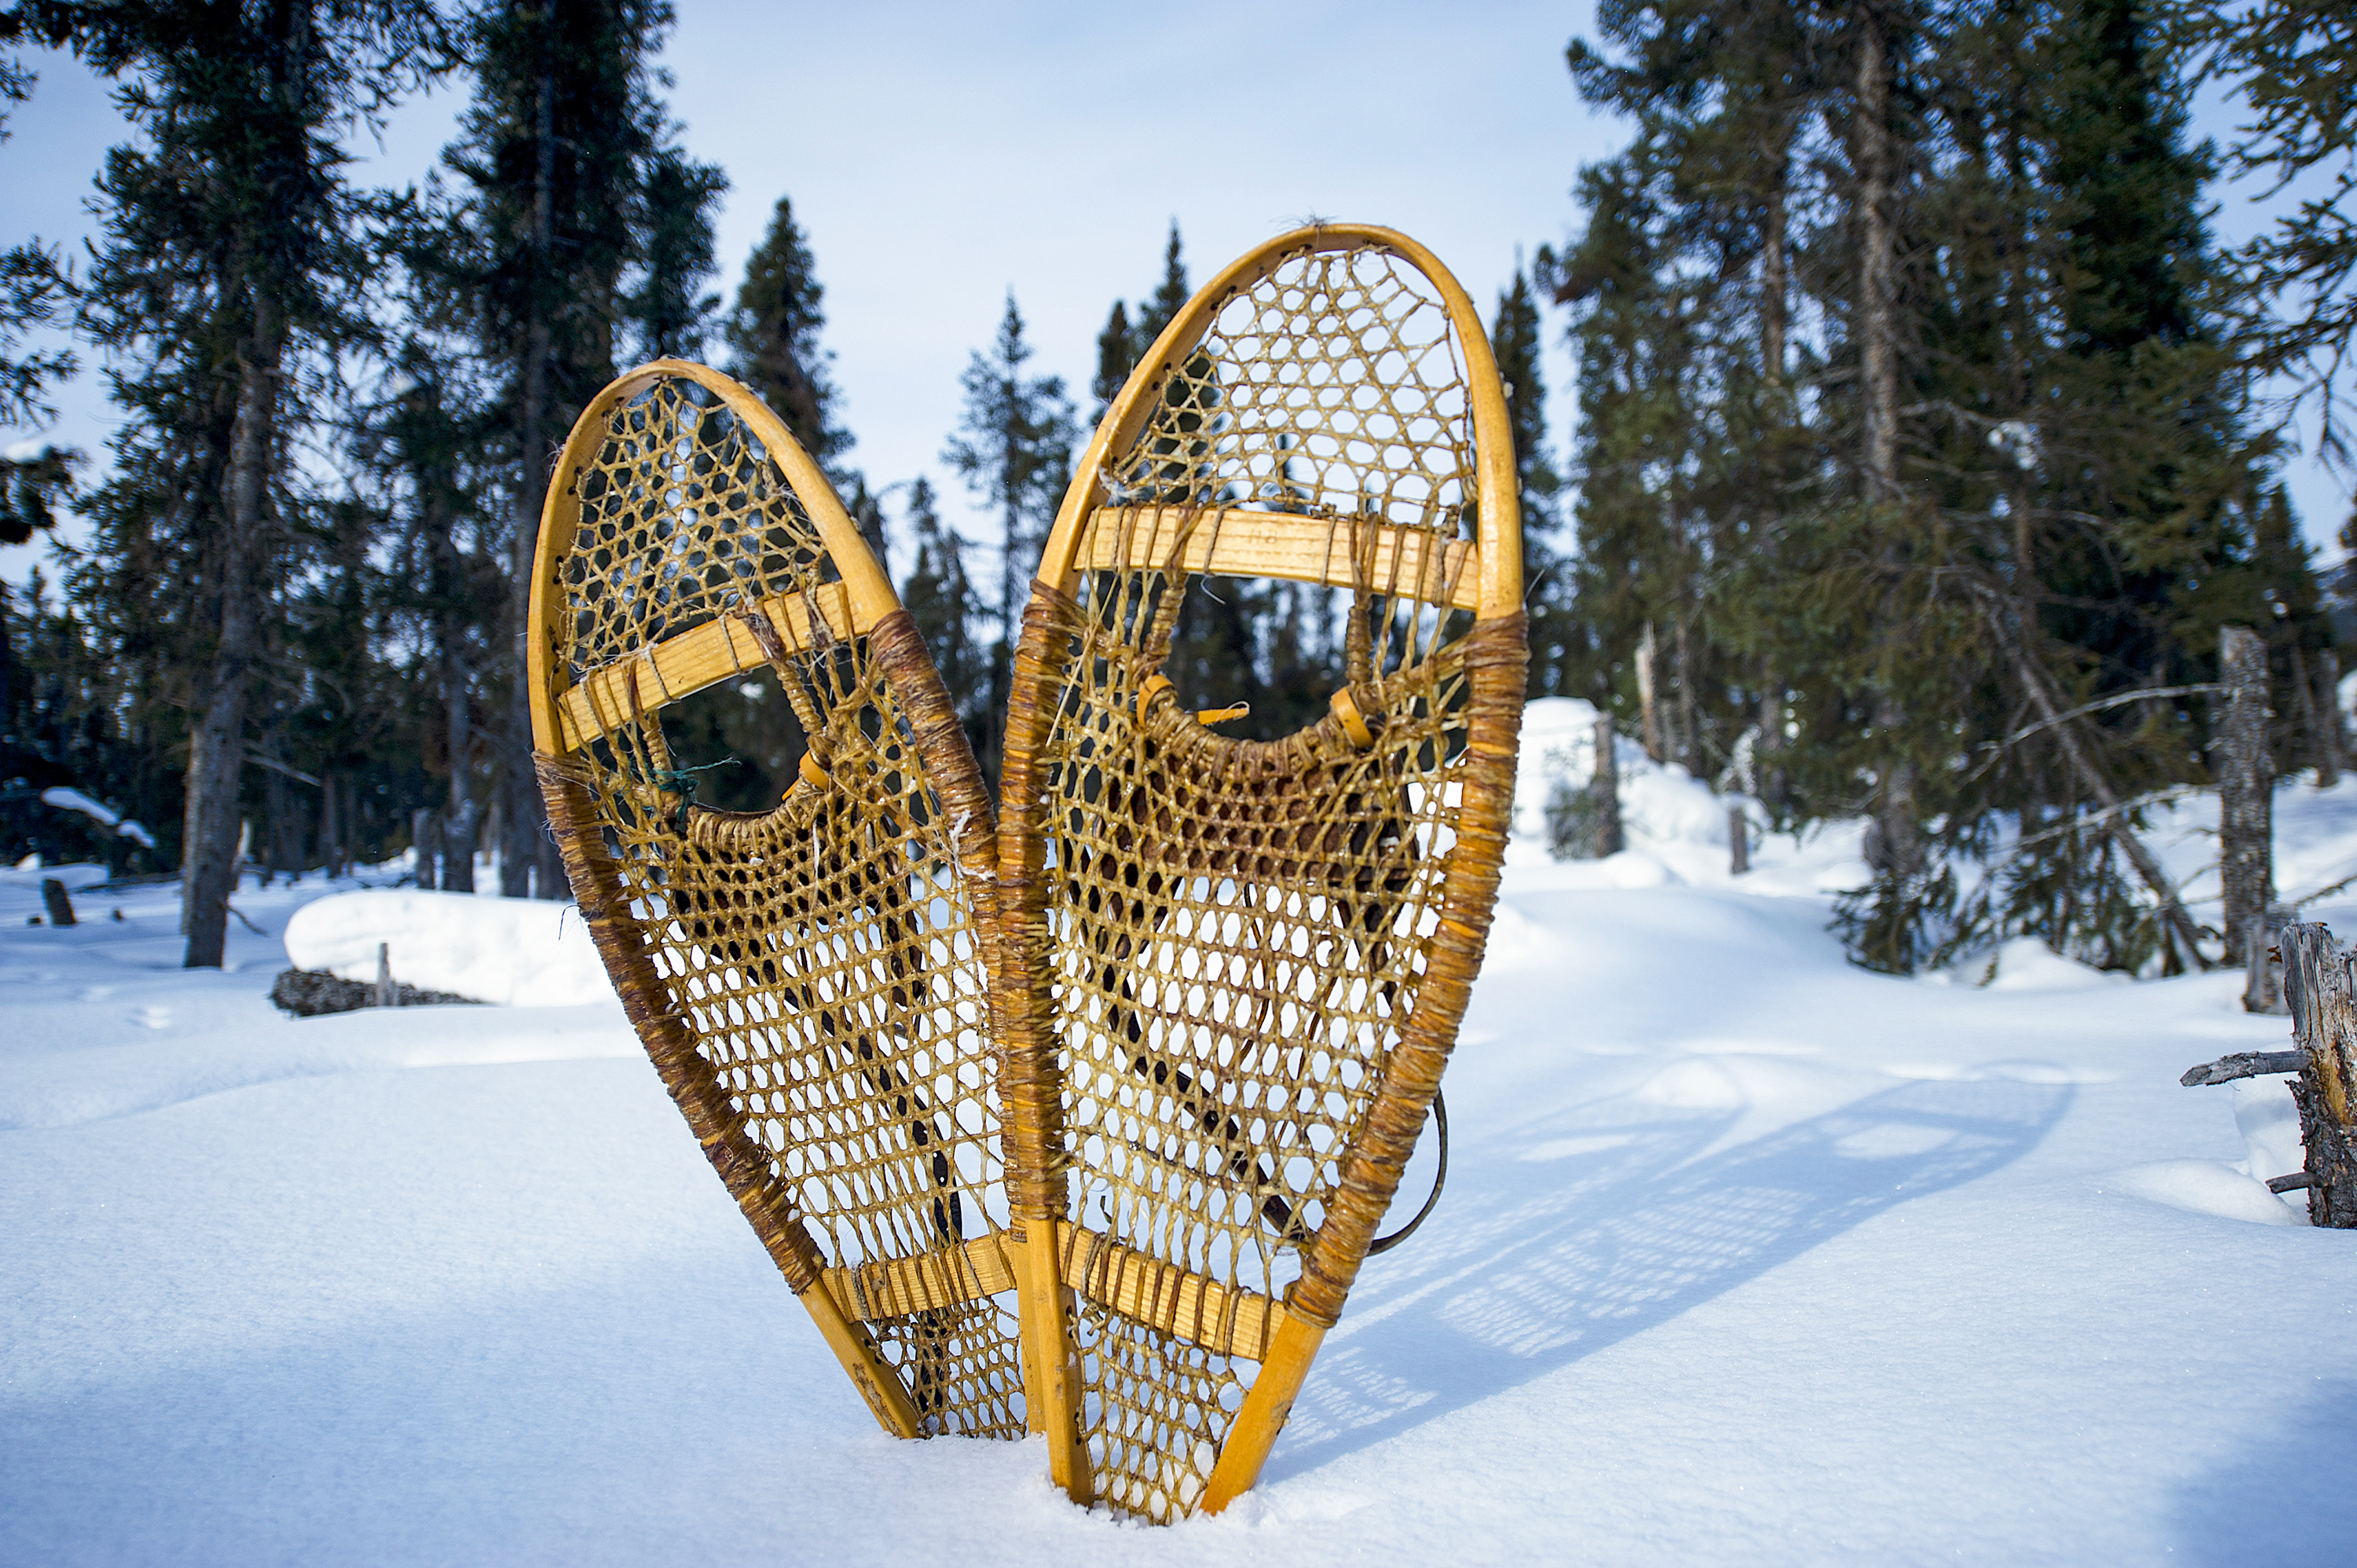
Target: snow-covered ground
1746, 1256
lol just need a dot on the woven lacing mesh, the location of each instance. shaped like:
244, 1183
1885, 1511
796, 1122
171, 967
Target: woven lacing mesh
823, 952
1331, 386
1238, 928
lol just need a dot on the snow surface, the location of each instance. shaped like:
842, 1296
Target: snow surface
1746, 1256
512, 952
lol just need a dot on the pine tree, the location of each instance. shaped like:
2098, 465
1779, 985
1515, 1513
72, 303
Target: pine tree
428, 434
2295, 63
940, 600
1015, 450
1169, 297
774, 335
1127, 336
229, 269
675, 256
34, 289
1116, 356
555, 155
1515, 340
1903, 427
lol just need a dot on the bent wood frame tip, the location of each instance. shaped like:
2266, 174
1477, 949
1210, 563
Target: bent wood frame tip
869, 591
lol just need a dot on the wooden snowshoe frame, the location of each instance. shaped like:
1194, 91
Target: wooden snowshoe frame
1231, 972
810, 981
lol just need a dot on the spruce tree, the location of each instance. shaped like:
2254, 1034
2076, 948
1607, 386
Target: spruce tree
2295, 63
555, 155
1904, 427
672, 316
228, 274
773, 334
949, 614
1014, 447
34, 289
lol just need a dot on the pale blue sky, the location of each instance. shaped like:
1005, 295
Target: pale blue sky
940, 153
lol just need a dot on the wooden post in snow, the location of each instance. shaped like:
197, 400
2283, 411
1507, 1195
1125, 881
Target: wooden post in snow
53, 897
2246, 788
2315, 983
2324, 1024
2263, 961
1604, 785
1648, 709
1738, 840
2331, 750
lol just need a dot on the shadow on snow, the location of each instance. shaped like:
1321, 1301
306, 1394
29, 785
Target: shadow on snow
1609, 1225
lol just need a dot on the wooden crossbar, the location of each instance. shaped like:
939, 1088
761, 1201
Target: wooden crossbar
684, 665
1413, 563
1232, 1321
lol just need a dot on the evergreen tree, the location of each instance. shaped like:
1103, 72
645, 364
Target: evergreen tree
2295, 62
228, 271
940, 600
1169, 297
428, 434
774, 336
1126, 336
1515, 340
555, 155
1902, 426
675, 255
32, 290
1116, 356
1015, 450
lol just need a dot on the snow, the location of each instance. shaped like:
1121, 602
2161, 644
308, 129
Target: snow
71, 800
512, 952
1746, 1255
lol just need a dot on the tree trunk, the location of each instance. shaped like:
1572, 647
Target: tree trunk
2245, 786
457, 682
2310, 725
2324, 1023
1877, 294
217, 748
2263, 961
524, 814
1689, 730
1775, 274
1771, 757
1647, 710
1738, 841
2319, 711
331, 841
1604, 785
424, 846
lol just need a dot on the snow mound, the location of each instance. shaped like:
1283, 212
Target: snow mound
2027, 963
30, 872
517, 952
2209, 1187
1674, 825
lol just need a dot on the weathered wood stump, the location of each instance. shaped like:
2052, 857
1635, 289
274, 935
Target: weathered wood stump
53, 896
2317, 986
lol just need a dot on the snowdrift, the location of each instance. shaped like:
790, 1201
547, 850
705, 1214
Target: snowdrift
517, 952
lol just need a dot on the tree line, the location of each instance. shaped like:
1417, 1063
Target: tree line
1924, 447
1921, 447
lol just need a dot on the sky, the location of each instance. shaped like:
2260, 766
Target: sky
940, 155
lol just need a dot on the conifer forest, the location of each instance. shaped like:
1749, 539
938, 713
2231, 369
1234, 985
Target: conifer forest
1924, 436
